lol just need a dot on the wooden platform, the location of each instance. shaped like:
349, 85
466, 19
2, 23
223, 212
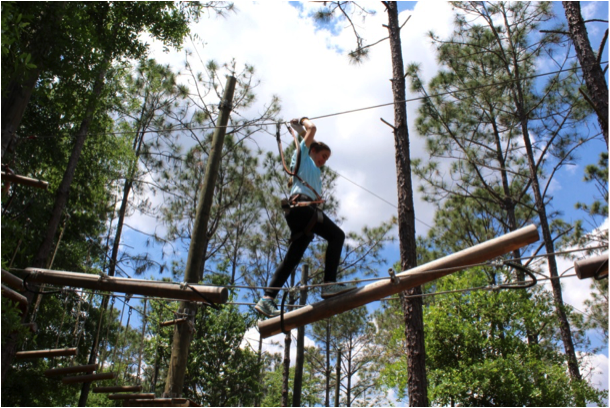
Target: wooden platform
160, 402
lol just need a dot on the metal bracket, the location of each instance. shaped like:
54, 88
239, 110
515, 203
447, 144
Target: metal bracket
225, 105
395, 280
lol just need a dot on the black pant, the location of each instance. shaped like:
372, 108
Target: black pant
297, 220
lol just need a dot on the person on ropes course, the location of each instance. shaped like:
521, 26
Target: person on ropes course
305, 218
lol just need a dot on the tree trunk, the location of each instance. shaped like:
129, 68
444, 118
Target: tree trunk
591, 68
63, 191
513, 69
61, 198
286, 362
300, 358
19, 90
183, 333
412, 307
327, 371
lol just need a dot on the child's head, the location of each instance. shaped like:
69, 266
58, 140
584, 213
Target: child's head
319, 152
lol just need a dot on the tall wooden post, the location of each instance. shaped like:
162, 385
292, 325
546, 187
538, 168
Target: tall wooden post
300, 358
183, 333
338, 380
287, 343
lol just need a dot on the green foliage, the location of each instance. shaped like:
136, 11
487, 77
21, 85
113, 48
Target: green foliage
11, 322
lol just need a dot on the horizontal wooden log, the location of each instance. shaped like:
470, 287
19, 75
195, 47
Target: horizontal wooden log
131, 396
89, 368
408, 279
161, 402
18, 298
26, 181
124, 388
12, 281
46, 353
88, 378
590, 267
173, 322
168, 290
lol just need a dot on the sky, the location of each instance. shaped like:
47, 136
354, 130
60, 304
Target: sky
307, 67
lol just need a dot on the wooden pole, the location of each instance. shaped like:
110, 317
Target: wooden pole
125, 388
338, 379
173, 322
132, 286
27, 181
46, 353
12, 281
130, 396
9, 293
300, 357
89, 368
592, 267
408, 279
88, 378
160, 402
199, 242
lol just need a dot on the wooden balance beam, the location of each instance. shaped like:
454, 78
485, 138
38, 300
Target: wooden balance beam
124, 388
18, 298
27, 181
408, 279
131, 396
596, 266
88, 378
46, 353
173, 322
89, 368
160, 402
142, 287
12, 281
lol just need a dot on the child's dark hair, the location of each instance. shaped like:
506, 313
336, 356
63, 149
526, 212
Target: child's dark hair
318, 146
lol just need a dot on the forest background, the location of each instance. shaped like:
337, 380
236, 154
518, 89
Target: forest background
307, 69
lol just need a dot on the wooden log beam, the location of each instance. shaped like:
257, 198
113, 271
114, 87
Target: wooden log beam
131, 396
88, 378
9, 293
408, 279
89, 368
12, 281
27, 181
591, 267
46, 353
161, 402
124, 388
191, 292
173, 322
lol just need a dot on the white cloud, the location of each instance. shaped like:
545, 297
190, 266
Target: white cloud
273, 344
299, 63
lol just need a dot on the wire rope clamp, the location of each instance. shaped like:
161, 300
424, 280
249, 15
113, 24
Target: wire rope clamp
395, 280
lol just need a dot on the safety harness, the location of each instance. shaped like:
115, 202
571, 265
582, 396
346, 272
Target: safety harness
299, 200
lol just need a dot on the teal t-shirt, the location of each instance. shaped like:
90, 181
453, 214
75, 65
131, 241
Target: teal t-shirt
309, 172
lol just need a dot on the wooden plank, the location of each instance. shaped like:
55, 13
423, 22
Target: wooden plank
46, 353
131, 396
591, 267
27, 181
173, 322
12, 281
9, 293
161, 402
124, 388
408, 279
88, 378
89, 368
142, 287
